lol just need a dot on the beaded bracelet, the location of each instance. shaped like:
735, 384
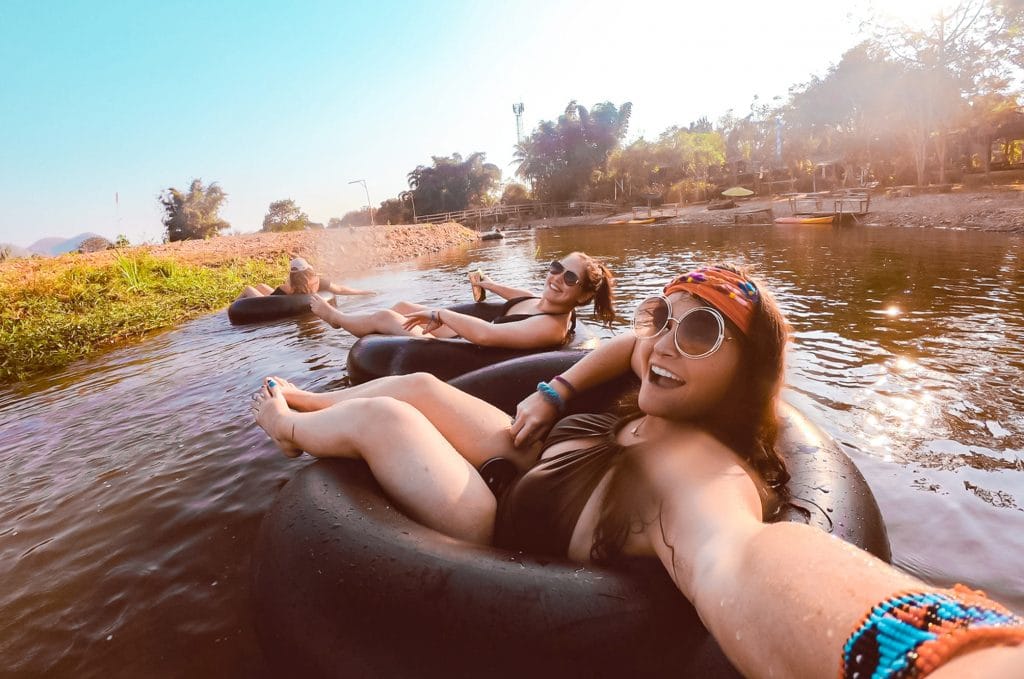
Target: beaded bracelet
567, 383
913, 633
550, 395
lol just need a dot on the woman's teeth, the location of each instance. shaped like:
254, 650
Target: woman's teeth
660, 376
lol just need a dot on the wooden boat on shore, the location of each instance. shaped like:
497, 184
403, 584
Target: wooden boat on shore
648, 220
805, 220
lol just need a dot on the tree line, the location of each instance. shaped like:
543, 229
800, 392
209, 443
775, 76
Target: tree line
905, 106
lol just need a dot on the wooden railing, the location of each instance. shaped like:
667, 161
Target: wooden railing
481, 214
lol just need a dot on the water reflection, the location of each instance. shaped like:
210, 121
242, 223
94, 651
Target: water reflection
134, 483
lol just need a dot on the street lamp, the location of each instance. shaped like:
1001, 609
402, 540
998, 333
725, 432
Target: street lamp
369, 205
412, 199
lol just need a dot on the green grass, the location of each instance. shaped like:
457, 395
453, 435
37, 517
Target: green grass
68, 311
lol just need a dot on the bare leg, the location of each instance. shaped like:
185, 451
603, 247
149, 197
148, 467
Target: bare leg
259, 290
413, 462
383, 322
478, 430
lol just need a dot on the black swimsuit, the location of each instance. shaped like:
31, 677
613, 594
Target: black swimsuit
506, 317
539, 512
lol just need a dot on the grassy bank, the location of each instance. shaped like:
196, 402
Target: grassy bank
65, 311
55, 311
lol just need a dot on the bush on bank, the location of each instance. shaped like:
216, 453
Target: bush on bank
57, 314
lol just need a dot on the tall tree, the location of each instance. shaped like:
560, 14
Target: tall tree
451, 183
947, 61
285, 215
193, 214
563, 158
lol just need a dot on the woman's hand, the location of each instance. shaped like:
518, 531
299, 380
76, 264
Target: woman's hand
478, 277
534, 418
428, 319
319, 306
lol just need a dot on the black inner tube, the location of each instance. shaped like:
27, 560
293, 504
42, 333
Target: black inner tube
346, 585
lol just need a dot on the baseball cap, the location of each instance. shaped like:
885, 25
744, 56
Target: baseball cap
299, 264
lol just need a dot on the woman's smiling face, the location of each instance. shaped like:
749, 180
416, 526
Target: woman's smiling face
556, 290
679, 388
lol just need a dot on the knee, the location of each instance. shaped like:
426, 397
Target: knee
419, 383
403, 307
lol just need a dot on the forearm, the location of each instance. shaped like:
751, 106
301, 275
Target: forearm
468, 327
345, 290
505, 291
789, 593
609, 360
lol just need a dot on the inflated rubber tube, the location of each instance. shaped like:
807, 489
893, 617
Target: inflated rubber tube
346, 585
376, 356
271, 307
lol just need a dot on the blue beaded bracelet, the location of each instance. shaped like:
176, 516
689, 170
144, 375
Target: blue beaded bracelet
550, 395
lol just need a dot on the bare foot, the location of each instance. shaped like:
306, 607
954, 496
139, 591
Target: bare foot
271, 411
325, 311
297, 398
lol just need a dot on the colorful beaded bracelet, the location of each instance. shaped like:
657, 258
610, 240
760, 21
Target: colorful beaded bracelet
550, 395
913, 633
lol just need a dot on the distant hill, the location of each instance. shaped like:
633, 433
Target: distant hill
58, 246
15, 251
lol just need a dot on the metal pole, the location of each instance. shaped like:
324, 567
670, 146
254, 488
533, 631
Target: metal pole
369, 205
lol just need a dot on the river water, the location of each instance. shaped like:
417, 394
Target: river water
133, 484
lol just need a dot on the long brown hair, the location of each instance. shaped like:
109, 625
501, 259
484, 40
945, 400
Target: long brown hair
598, 279
301, 282
749, 426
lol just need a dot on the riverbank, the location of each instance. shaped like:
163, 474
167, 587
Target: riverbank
999, 208
56, 310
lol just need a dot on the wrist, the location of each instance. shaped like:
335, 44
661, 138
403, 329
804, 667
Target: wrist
548, 393
564, 387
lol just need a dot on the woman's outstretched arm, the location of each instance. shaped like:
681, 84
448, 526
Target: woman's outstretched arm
781, 599
339, 289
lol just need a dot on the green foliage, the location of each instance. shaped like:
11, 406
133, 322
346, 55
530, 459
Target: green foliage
121, 241
285, 215
59, 315
393, 211
562, 158
515, 194
451, 183
681, 160
193, 214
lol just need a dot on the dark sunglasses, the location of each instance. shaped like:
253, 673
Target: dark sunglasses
570, 277
699, 333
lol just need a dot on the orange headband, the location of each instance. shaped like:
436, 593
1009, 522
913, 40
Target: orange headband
726, 290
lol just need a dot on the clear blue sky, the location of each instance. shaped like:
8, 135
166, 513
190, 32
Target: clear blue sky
292, 100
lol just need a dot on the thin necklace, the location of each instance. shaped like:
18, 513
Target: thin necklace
635, 431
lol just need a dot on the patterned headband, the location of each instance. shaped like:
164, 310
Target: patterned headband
726, 290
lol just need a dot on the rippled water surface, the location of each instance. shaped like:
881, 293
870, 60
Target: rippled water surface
133, 484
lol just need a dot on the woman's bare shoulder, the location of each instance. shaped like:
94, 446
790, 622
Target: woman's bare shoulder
696, 464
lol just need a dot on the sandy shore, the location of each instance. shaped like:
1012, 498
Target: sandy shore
335, 251
995, 209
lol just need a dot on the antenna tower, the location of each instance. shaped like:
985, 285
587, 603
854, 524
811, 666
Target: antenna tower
518, 110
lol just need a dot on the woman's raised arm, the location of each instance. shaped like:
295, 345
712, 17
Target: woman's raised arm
535, 415
484, 281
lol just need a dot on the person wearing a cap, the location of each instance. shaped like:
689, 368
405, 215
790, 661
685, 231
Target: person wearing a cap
302, 280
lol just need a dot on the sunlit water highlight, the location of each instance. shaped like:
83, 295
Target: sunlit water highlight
134, 483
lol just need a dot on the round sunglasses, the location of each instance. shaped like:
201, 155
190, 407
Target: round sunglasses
699, 332
571, 278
